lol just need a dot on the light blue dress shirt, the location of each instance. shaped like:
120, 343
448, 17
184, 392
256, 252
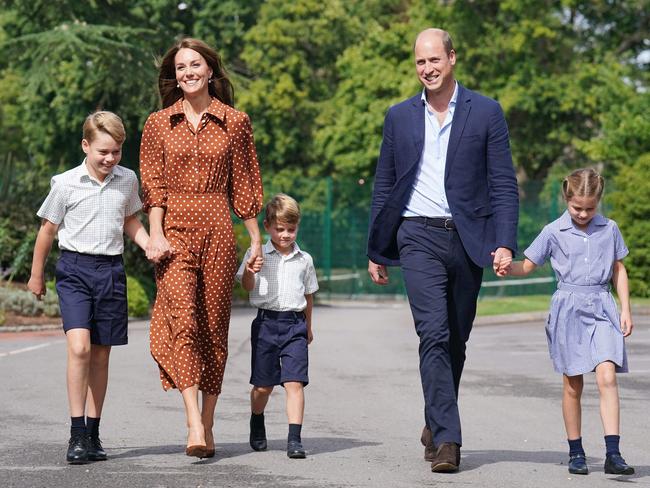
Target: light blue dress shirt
428, 198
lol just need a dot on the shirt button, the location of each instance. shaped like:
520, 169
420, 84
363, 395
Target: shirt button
586, 260
584, 239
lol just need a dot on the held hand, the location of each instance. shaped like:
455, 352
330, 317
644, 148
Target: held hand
504, 267
626, 323
158, 248
378, 273
502, 261
254, 265
256, 259
37, 286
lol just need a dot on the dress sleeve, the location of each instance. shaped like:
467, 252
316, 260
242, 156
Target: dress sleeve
245, 186
620, 249
55, 204
152, 165
540, 249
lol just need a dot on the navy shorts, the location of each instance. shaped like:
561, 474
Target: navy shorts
279, 344
92, 295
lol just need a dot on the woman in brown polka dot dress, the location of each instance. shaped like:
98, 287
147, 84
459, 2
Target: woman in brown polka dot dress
197, 160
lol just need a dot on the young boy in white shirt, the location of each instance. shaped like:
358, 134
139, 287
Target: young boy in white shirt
282, 289
90, 207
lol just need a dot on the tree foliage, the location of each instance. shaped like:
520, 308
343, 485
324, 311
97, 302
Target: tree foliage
317, 78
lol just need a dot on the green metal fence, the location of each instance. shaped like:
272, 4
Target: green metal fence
334, 227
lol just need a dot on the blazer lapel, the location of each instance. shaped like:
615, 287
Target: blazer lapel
417, 108
463, 107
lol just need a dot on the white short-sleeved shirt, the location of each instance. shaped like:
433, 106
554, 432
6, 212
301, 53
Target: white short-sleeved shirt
90, 214
283, 281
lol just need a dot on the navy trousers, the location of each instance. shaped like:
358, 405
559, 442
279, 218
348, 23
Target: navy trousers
442, 284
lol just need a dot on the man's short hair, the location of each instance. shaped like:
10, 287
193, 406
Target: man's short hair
446, 40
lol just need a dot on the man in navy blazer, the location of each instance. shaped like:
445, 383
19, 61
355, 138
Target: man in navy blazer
445, 205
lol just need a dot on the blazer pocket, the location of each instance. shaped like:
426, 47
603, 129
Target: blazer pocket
470, 137
483, 210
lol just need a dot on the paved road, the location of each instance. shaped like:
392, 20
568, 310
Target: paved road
363, 415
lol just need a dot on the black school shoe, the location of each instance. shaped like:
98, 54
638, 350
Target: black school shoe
578, 464
615, 464
77, 449
95, 450
257, 437
295, 450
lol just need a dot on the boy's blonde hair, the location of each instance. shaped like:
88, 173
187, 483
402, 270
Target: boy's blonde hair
106, 122
585, 182
282, 208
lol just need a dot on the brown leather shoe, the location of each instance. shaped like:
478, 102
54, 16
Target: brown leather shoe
429, 447
447, 458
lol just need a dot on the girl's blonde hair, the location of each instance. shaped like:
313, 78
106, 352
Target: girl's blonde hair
106, 122
282, 208
585, 182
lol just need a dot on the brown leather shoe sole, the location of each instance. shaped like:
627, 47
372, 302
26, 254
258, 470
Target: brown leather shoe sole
447, 458
444, 467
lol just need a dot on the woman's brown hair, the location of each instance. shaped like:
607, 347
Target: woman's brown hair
584, 182
220, 87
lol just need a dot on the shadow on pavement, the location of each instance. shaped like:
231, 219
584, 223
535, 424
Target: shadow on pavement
313, 445
475, 459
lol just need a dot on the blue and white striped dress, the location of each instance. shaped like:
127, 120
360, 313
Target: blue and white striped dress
583, 328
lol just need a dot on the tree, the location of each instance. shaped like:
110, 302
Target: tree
291, 54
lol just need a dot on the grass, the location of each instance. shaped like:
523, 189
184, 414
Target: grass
503, 305
528, 303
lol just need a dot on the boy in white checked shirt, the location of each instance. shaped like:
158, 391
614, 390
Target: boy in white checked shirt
90, 207
282, 289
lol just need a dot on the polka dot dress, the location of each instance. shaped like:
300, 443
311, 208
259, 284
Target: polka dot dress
197, 175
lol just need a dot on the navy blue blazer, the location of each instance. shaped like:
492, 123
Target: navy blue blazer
480, 180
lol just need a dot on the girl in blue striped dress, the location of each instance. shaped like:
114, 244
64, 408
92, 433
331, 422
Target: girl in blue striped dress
584, 330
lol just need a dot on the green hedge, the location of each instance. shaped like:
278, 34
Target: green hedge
23, 302
138, 301
631, 210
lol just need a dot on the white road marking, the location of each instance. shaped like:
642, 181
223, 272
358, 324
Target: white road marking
26, 349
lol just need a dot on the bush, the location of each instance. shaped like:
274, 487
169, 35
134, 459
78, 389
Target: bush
23, 302
243, 241
138, 301
630, 209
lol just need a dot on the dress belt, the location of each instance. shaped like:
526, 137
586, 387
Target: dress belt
582, 288
442, 222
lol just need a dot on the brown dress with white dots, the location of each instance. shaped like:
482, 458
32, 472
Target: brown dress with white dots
197, 176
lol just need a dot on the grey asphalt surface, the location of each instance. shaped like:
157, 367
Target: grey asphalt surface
363, 412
